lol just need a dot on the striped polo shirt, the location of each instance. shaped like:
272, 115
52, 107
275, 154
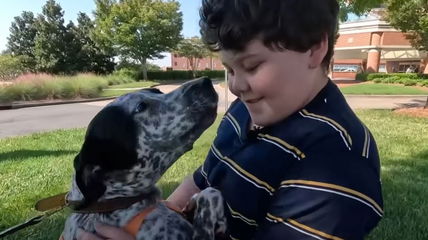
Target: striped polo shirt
314, 175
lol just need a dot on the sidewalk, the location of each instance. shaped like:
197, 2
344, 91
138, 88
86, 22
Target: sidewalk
226, 97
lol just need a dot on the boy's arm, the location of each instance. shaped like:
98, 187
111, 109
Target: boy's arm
183, 193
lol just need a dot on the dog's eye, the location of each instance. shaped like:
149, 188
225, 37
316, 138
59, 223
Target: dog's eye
141, 107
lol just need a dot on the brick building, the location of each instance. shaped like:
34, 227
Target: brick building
372, 45
368, 45
181, 63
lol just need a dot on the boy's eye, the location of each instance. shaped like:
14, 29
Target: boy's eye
230, 71
252, 68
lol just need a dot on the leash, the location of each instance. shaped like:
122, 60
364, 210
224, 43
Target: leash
56, 203
33, 221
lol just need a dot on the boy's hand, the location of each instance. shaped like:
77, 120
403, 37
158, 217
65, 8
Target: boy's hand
104, 232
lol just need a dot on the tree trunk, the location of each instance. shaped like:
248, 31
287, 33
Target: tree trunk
426, 104
192, 65
144, 65
196, 67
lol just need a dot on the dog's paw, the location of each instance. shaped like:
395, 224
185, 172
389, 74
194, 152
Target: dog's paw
209, 219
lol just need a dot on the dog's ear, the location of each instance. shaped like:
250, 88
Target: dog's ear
154, 90
89, 179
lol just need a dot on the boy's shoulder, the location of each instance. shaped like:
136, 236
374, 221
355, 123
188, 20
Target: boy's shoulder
327, 117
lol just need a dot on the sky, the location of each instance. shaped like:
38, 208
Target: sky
12, 8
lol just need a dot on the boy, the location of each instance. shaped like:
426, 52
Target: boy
291, 158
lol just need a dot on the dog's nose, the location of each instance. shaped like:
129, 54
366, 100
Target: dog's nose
204, 88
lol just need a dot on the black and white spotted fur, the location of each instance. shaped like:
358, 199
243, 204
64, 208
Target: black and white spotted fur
129, 145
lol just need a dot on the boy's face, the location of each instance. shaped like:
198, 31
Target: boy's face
272, 84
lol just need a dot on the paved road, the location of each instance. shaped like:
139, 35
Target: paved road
38, 119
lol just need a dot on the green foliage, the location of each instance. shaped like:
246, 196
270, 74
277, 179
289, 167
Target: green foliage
193, 49
410, 82
183, 75
411, 17
91, 58
21, 40
134, 70
118, 78
51, 42
44, 44
358, 7
40, 87
138, 29
361, 76
372, 76
11, 67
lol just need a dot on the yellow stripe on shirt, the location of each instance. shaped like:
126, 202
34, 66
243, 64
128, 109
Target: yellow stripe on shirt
284, 144
303, 227
336, 187
246, 174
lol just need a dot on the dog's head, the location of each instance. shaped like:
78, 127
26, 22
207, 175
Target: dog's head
132, 141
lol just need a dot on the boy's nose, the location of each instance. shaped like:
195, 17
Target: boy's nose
238, 84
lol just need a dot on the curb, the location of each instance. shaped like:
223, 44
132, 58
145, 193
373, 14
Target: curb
39, 104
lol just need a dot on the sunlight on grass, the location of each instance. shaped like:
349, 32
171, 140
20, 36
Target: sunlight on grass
382, 89
140, 84
40, 165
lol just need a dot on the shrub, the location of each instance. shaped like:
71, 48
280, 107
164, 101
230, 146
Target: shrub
362, 76
410, 82
116, 78
377, 80
10, 67
372, 76
423, 82
127, 73
37, 87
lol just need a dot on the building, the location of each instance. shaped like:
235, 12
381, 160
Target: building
367, 45
182, 63
372, 45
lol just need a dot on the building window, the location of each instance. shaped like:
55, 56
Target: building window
175, 63
175, 55
382, 68
346, 68
408, 68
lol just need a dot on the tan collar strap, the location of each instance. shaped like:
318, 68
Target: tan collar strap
109, 205
133, 226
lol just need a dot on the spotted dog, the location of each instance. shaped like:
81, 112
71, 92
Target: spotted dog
128, 146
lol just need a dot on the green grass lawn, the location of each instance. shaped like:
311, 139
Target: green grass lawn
115, 93
382, 89
40, 165
139, 84
112, 91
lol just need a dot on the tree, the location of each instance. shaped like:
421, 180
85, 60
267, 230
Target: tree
411, 17
90, 57
11, 67
139, 29
193, 49
358, 7
21, 40
50, 48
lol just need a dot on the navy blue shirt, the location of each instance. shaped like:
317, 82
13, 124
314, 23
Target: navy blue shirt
314, 175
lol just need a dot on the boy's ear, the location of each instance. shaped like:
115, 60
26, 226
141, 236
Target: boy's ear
318, 52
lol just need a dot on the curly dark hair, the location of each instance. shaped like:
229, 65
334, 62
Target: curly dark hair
281, 24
